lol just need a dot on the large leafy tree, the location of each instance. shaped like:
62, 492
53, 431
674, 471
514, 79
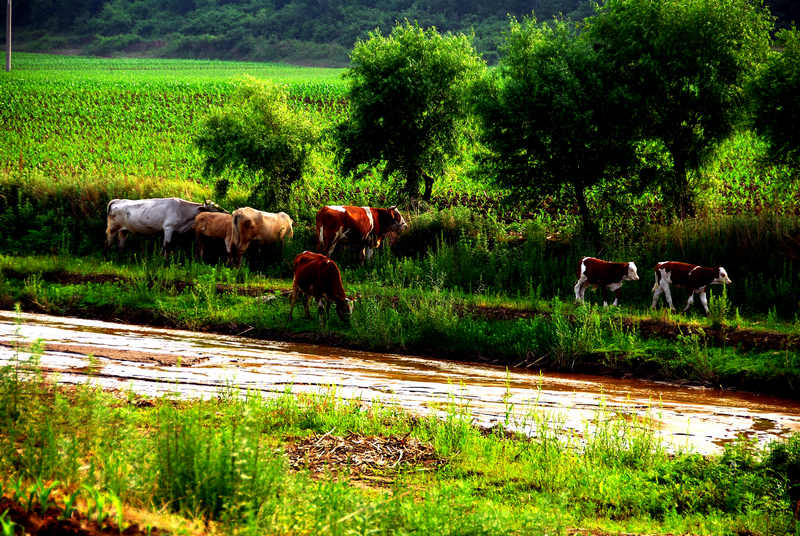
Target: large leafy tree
552, 116
775, 95
261, 132
685, 64
407, 103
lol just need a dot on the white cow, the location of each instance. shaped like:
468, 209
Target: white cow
152, 216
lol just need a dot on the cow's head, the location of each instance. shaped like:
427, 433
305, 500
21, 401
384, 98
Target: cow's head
632, 274
210, 206
398, 222
722, 277
344, 309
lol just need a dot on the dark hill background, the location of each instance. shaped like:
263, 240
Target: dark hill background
320, 32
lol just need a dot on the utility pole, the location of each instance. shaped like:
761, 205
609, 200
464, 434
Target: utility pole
8, 37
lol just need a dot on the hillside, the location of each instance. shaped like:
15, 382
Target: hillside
297, 31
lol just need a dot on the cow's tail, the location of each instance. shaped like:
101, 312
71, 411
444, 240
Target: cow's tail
235, 229
658, 279
108, 207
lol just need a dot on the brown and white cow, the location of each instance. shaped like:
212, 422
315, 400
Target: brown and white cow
317, 276
690, 276
594, 272
255, 226
362, 227
213, 226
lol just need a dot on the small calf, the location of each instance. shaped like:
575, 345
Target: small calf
690, 276
212, 227
317, 276
604, 274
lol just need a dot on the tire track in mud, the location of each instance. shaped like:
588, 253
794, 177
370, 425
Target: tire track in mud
136, 356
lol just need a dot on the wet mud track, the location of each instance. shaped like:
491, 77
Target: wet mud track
158, 362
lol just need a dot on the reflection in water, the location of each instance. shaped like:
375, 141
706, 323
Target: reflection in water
693, 417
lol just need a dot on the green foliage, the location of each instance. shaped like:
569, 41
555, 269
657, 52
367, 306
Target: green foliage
298, 31
407, 107
774, 96
683, 66
261, 132
719, 309
213, 471
616, 475
552, 116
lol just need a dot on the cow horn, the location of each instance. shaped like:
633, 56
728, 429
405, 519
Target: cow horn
394, 207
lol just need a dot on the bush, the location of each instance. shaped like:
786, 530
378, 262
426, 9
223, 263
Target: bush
104, 46
260, 132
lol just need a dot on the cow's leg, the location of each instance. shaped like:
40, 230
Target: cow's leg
667, 294
704, 300
579, 288
329, 249
603, 293
168, 231
321, 240
306, 298
199, 242
657, 292
614, 287
322, 311
690, 302
122, 237
239, 252
293, 299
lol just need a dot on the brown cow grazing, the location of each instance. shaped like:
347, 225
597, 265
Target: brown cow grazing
690, 276
604, 274
213, 227
255, 226
317, 276
363, 227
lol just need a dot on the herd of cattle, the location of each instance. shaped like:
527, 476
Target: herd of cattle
317, 276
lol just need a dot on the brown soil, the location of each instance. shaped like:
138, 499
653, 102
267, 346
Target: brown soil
119, 355
50, 523
367, 458
746, 339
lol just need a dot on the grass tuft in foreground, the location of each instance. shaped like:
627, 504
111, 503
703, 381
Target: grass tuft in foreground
232, 461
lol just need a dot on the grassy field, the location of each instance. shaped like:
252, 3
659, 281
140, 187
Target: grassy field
476, 276
80, 131
316, 464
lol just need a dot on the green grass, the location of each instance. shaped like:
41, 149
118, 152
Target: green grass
224, 460
424, 319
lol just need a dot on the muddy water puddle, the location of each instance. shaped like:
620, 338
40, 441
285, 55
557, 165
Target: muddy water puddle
159, 362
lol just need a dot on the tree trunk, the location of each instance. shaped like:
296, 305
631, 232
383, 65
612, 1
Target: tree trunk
681, 196
588, 224
428, 187
8, 37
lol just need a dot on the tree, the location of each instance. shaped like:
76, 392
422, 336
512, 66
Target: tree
260, 131
551, 116
407, 103
775, 95
684, 64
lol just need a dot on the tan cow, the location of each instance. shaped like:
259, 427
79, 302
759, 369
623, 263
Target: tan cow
213, 227
251, 225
